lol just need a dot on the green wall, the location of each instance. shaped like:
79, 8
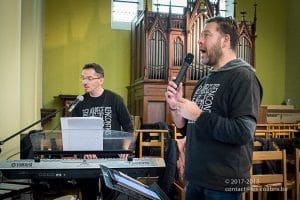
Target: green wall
292, 86
78, 32
277, 44
270, 54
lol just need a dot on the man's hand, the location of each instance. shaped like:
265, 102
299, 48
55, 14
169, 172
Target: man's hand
188, 109
90, 156
173, 93
123, 155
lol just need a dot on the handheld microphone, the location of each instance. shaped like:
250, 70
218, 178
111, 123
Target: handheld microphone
78, 99
187, 61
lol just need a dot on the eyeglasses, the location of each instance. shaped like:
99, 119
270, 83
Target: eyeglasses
89, 78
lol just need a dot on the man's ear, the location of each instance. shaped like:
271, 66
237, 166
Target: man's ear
101, 81
227, 40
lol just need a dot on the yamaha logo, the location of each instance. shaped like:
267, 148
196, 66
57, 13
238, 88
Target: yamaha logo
21, 165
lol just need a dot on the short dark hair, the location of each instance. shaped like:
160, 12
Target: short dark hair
98, 69
227, 25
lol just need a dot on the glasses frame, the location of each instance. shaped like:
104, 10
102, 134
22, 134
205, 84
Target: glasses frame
89, 78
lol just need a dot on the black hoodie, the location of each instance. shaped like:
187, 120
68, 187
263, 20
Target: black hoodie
219, 142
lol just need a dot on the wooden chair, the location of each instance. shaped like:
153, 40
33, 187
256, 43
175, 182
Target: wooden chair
262, 130
262, 127
180, 190
283, 133
151, 138
283, 130
263, 133
298, 173
269, 182
176, 133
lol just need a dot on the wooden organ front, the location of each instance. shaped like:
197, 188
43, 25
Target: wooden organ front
159, 43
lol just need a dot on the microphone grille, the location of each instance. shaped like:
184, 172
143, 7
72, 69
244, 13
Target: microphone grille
80, 98
189, 58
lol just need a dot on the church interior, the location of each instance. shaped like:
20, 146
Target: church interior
45, 44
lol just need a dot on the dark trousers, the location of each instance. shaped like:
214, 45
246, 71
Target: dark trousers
195, 191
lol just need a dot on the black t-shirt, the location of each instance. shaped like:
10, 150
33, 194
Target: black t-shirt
109, 106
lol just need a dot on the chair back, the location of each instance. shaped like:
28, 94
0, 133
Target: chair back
298, 173
272, 180
151, 138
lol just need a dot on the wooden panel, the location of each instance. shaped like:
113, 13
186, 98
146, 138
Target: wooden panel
173, 72
138, 91
159, 90
262, 115
156, 111
267, 155
270, 178
188, 91
46, 113
67, 100
135, 99
139, 107
277, 114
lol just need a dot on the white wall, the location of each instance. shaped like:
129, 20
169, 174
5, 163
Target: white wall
20, 69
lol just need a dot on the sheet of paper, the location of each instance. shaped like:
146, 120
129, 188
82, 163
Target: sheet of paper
82, 133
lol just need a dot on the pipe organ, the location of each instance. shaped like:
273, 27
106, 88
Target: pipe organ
159, 43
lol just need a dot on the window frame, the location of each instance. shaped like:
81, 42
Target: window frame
124, 25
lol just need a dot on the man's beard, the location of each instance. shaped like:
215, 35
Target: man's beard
213, 55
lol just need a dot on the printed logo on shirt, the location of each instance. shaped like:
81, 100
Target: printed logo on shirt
204, 96
103, 112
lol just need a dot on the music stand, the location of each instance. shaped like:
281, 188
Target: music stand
120, 182
50, 143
